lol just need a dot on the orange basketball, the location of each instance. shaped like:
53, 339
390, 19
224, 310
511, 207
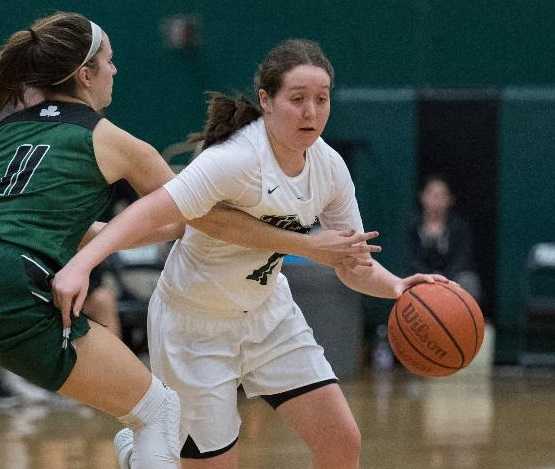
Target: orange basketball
435, 329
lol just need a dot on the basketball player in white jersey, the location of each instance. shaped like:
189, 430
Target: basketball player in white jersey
222, 315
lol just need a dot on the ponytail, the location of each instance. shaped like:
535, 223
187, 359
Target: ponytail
225, 115
42, 55
13, 69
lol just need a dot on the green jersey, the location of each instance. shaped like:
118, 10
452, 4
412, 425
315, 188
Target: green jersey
51, 188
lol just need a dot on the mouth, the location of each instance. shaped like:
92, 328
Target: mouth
307, 129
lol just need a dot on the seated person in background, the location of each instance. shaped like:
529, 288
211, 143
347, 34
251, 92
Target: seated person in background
440, 240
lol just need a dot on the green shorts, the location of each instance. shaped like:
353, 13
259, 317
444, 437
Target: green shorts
31, 342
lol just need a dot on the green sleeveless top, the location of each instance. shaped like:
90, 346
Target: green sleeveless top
51, 188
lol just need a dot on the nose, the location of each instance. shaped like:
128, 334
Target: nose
309, 110
115, 70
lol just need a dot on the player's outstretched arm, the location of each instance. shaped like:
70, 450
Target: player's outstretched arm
328, 247
156, 210
379, 282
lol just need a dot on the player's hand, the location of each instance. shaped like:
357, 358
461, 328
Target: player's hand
69, 291
342, 248
415, 279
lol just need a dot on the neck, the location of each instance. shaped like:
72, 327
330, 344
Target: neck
436, 217
290, 160
68, 99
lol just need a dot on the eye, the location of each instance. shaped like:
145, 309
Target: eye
323, 99
297, 99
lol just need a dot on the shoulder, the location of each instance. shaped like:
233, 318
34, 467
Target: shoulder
107, 133
120, 154
331, 163
60, 112
241, 150
328, 154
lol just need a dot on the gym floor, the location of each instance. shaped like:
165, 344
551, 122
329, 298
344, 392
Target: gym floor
480, 418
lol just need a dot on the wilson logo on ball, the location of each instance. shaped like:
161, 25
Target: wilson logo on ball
417, 324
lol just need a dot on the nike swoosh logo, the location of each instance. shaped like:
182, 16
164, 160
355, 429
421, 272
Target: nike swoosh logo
272, 190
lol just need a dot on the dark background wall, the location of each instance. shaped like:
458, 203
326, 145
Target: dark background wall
389, 43
391, 132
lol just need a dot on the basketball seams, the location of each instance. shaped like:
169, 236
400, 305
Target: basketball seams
447, 332
415, 348
469, 311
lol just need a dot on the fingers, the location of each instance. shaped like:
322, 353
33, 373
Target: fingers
69, 301
355, 237
433, 278
347, 233
426, 278
79, 301
364, 262
361, 237
351, 262
362, 249
441, 278
348, 262
64, 305
370, 248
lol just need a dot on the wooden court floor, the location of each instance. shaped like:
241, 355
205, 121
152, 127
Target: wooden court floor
494, 419
480, 418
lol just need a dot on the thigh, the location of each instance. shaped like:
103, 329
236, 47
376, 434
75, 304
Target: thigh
199, 359
320, 416
106, 375
288, 358
101, 306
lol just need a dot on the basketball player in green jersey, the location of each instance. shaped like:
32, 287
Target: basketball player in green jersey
58, 159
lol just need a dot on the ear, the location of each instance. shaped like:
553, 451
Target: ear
83, 76
265, 101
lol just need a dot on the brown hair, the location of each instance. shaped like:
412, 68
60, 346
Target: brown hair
226, 115
52, 48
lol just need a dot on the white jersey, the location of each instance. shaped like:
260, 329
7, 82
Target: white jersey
220, 279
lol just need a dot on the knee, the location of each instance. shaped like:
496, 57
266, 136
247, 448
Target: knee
353, 442
105, 298
342, 445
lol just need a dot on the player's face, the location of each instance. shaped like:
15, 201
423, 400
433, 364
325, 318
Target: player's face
436, 197
297, 115
103, 76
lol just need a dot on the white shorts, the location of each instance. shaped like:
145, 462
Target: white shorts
268, 351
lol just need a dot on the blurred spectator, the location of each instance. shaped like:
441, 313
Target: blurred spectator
440, 240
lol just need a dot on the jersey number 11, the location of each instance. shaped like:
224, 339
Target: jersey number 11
21, 168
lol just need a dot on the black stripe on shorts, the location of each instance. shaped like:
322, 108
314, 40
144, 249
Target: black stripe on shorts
190, 450
275, 400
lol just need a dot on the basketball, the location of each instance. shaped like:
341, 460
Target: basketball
435, 329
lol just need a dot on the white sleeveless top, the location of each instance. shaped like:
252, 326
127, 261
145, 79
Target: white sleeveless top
220, 279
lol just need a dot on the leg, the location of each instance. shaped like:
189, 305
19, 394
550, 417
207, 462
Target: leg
109, 377
101, 305
198, 357
297, 380
116, 386
324, 421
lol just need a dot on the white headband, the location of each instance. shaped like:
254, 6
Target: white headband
96, 39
